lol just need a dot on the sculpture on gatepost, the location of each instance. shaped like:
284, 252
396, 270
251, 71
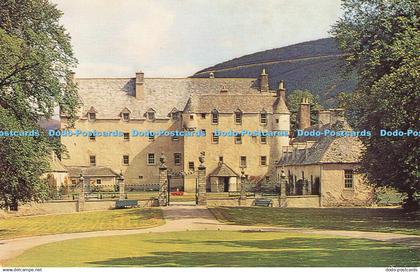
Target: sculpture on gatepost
163, 181
81, 200
121, 186
282, 193
201, 179
242, 198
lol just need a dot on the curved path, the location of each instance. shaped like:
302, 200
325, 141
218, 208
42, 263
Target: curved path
182, 218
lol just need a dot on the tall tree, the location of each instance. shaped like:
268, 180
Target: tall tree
381, 39
36, 59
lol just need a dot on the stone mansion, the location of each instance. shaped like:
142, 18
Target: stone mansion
204, 105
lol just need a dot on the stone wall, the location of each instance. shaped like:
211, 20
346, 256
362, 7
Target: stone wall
60, 207
306, 201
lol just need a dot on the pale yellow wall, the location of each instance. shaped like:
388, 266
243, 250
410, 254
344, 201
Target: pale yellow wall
332, 187
333, 192
109, 151
251, 147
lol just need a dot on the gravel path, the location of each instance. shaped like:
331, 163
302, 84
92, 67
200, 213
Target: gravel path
182, 218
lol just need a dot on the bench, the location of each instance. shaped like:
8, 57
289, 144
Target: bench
263, 202
124, 203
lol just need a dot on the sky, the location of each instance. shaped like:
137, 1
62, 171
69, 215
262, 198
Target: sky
176, 38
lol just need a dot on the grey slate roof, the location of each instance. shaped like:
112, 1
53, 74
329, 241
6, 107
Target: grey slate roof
109, 96
223, 170
229, 103
90, 171
326, 149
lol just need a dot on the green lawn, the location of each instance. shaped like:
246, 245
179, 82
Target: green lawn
80, 222
218, 248
365, 219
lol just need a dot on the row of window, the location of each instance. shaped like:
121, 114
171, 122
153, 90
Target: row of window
214, 139
125, 116
177, 158
150, 115
237, 117
348, 178
237, 139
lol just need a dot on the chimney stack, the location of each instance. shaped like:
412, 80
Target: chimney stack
304, 114
139, 90
263, 81
324, 117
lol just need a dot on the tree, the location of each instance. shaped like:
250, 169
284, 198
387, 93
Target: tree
36, 59
293, 101
381, 40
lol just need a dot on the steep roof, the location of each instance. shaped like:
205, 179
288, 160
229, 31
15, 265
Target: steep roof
229, 103
326, 149
223, 170
91, 171
109, 96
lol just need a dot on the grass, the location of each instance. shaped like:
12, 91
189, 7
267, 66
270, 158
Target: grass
218, 248
80, 222
363, 219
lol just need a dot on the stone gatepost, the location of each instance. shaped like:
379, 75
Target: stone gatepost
305, 187
81, 200
242, 198
163, 182
282, 193
201, 179
121, 186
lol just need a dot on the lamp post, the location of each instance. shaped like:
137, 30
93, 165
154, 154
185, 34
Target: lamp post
81, 200
169, 187
282, 193
82, 184
121, 185
242, 198
163, 181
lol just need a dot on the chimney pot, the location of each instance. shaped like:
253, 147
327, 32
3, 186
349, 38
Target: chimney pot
324, 117
139, 89
263, 81
304, 114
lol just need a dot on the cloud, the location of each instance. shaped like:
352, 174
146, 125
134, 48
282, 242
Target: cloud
173, 38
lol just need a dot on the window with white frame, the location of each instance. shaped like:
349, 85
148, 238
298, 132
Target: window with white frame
151, 160
177, 158
348, 178
126, 159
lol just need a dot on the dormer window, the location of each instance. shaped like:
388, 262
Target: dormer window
125, 114
151, 114
238, 117
214, 117
174, 114
91, 114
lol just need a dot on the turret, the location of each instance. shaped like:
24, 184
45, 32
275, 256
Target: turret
280, 122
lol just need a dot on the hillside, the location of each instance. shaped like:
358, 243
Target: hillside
314, 65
